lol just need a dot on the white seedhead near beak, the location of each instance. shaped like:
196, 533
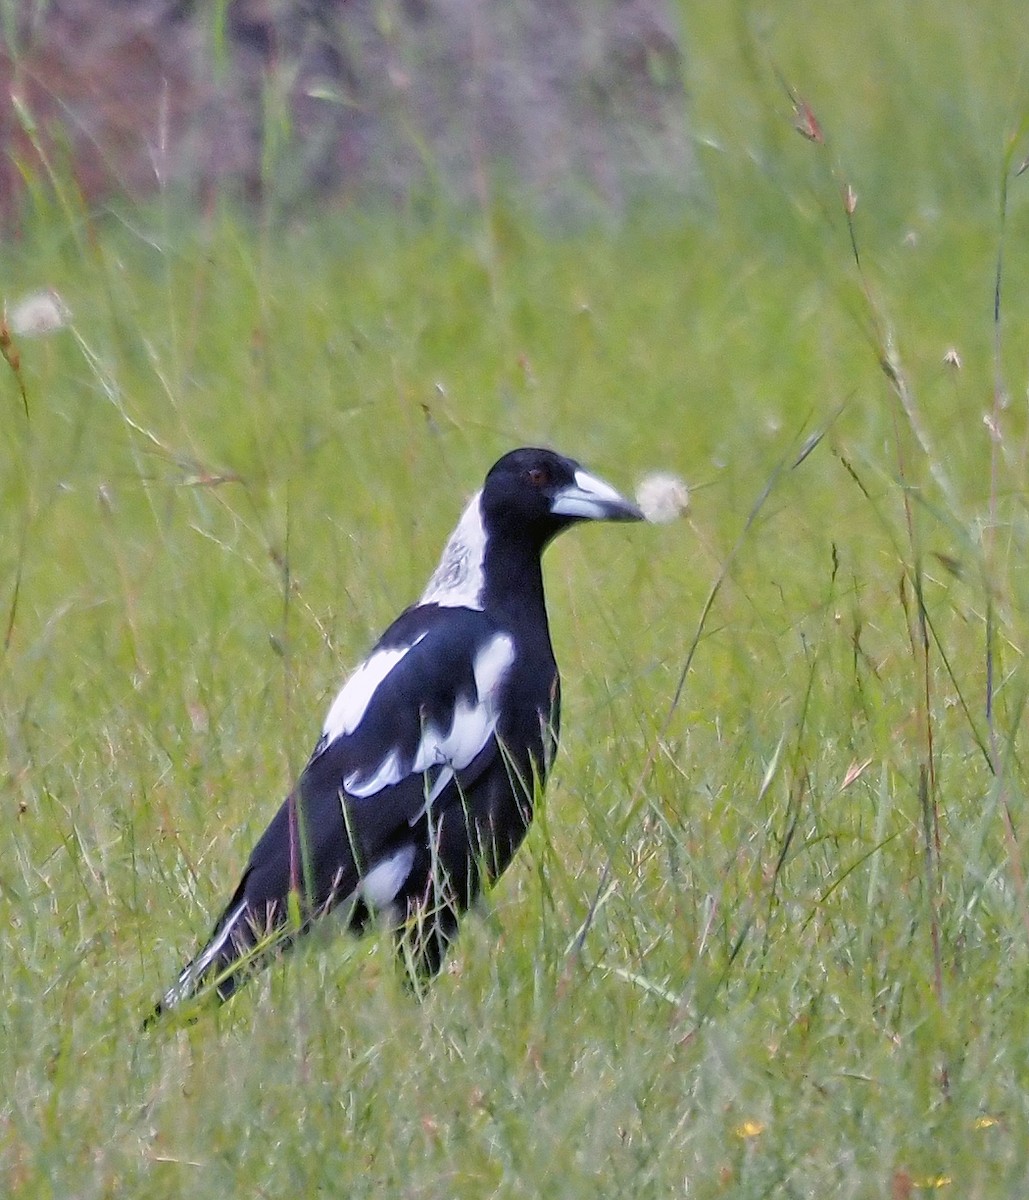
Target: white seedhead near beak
662, 497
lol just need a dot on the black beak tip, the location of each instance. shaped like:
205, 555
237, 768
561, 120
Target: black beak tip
627, 511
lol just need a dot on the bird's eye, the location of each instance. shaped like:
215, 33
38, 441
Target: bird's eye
538, 476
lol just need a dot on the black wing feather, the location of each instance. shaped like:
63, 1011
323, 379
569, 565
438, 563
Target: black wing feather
322, 841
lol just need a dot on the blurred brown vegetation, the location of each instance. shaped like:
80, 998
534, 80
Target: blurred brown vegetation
572, 105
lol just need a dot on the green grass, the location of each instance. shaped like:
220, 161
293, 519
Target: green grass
808, 973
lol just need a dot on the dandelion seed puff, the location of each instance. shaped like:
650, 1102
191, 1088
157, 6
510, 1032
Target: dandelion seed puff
38, 314
662, 497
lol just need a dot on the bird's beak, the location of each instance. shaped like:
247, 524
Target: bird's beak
591, 499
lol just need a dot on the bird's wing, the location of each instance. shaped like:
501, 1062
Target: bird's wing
414, 725
418, 716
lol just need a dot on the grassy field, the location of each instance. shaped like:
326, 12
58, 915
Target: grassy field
805, 971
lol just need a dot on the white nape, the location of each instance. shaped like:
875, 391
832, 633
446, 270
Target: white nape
356, 694
458, 580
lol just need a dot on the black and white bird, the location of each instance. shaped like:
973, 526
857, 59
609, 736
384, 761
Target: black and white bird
421, 786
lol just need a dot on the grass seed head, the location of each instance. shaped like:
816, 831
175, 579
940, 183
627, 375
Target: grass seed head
38, 314
662, 497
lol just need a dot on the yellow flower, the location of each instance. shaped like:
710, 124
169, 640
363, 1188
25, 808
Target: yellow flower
749, 1129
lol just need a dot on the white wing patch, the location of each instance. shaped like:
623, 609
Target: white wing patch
380, 886
458, 580
356, 694
471, 727
388, 772
491, 665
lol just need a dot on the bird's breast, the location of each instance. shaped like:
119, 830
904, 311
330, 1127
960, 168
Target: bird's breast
529, 710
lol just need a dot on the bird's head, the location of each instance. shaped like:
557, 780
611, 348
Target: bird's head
529, 496
547, 492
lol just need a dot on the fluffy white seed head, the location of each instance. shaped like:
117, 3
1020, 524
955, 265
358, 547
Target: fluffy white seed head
37, 314
662, 497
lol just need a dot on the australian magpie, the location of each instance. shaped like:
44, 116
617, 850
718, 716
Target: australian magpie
421, 786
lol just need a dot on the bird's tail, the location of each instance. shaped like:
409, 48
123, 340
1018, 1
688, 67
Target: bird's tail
224, 962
